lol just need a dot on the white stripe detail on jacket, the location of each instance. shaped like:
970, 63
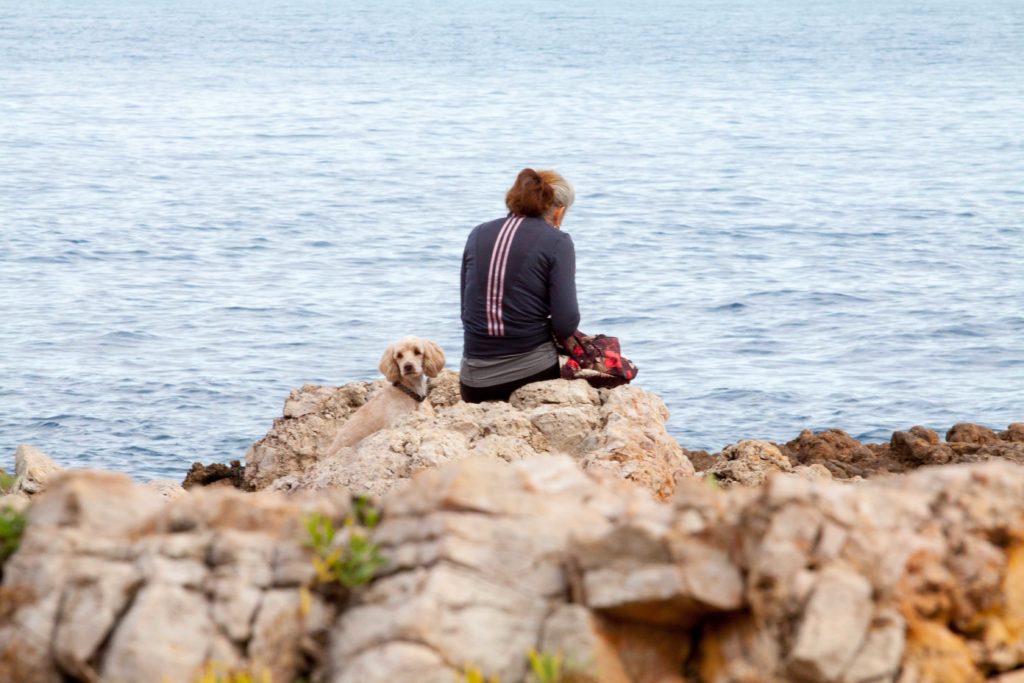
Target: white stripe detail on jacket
499, 253
501, 277
490, 274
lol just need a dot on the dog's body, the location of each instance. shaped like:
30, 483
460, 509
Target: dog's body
406, 364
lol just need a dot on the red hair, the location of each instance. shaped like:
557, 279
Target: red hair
532, 194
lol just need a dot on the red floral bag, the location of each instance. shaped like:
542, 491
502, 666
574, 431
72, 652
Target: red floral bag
597, 359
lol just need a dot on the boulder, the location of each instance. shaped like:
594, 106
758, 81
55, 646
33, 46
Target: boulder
32, 470
919, 446
619, 432
834, 626
1014, 433
915, 577
964, 432
835, 450
117, 583
166, 488
747, 463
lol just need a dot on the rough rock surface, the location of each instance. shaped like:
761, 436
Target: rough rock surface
216, 473
847, 458
620, 432
910, 578
747, 463
114, 582
32, 470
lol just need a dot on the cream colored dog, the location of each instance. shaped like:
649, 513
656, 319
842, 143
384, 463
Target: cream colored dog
407, 364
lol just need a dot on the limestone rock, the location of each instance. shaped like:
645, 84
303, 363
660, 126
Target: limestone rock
748, 463
292, 446
619, 432
17, 501
878, 660
834, 625
911, 577
165, 488
94, 599
179, 619
113, 582
32, 469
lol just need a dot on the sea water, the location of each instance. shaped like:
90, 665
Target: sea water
793, 213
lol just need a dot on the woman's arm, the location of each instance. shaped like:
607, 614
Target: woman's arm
565, 311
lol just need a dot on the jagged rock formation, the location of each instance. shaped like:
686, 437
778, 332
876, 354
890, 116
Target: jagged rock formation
113, 582
32, 470
911, 578
619, 431
833, 453
565, 520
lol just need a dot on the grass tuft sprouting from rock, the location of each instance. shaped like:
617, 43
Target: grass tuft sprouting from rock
347, 557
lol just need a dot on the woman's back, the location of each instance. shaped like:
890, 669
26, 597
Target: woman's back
516, 272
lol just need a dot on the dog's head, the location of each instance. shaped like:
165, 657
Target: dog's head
411, 356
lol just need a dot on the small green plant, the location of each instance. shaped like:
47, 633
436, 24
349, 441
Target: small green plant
365, 512
471, 674
545, 666
6, 482
712, 481
12, 526
351, 563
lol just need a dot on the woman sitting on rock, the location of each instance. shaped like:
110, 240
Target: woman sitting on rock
518, 290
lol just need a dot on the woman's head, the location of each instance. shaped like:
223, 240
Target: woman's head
540, 194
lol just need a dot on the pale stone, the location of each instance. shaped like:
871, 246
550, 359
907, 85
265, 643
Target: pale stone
748, 463
165, 488
677, 594
33, 469
92, 602
619, 432
834, 625
277, 633
879, 659
393, 662
18, 501
94, 501
555, 391
165, 636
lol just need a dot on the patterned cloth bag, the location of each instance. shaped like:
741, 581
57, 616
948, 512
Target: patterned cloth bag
597, 359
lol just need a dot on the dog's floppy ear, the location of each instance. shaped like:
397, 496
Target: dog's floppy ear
433, 359
388, 366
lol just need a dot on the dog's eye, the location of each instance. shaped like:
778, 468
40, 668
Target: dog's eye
418, 352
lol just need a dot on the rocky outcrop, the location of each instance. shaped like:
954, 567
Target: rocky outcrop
113, 582
907, 578
848, 459
620, 432
747, 463
32, 470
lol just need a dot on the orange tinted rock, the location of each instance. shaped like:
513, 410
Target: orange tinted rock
1014, 433
965, 432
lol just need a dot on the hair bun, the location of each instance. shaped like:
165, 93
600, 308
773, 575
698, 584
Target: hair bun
530, 195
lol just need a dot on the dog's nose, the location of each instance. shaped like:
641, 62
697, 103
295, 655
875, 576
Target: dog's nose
408, 367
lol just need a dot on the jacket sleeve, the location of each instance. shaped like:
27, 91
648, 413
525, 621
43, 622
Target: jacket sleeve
565, 311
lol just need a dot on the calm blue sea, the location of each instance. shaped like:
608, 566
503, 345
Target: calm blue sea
794, 213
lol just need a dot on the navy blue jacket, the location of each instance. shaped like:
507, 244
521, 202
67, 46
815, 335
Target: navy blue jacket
518, 287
